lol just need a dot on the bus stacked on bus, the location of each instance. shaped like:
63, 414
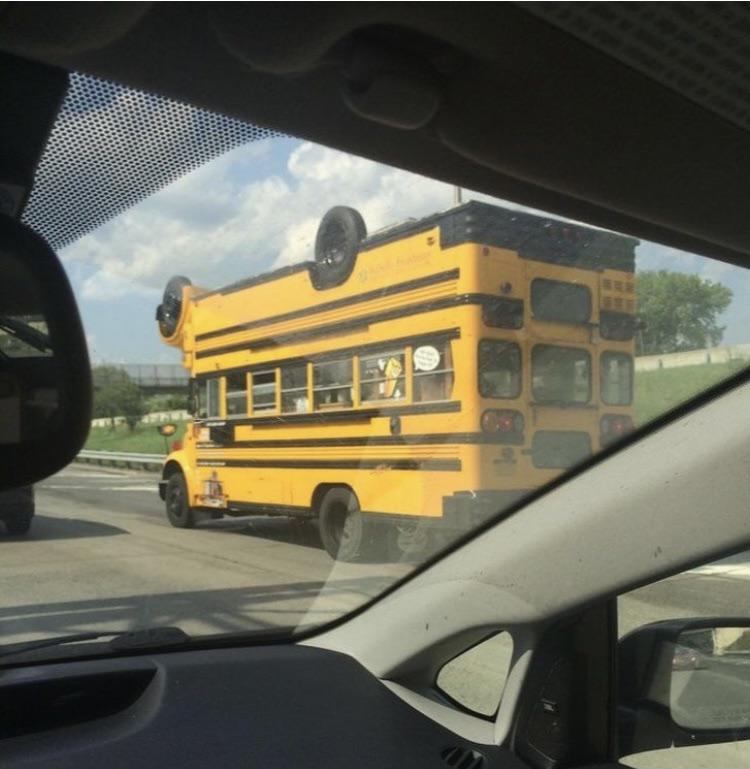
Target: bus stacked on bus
405, 386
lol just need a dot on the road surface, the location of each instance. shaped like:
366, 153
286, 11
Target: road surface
101, 555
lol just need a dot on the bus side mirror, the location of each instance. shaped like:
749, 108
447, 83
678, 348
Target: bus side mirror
684, 682
192, 399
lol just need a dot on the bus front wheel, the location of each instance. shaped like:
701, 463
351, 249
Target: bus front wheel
343, 529
178, 511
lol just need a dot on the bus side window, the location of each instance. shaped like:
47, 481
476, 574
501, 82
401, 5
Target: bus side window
294, 389
433, 372
237, 394
264, 390
332, 384
208, 399
381, 376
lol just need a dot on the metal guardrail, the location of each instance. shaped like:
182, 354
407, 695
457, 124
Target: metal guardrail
122, 459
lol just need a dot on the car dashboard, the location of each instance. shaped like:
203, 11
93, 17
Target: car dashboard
277, 705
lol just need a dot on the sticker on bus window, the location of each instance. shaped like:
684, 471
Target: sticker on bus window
426, 358
392, 370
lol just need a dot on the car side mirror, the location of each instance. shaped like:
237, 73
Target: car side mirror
45, 377
684, 682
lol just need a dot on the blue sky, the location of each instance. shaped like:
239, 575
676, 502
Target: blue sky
258, 207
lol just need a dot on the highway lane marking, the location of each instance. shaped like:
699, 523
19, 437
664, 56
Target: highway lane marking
67, 474
62, 487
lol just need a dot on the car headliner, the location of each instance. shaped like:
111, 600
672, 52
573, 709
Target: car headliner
552, 105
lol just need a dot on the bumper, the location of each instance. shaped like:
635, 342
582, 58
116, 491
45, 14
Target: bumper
465, 510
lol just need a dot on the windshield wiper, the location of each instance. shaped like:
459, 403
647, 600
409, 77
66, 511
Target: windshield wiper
122, 640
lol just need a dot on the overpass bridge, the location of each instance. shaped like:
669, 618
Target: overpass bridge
150, 377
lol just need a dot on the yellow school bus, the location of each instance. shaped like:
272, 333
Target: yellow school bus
419, 379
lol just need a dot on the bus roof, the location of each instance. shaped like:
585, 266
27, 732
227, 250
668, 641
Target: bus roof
534, 237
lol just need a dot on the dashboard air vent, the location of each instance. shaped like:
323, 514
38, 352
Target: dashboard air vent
462, 758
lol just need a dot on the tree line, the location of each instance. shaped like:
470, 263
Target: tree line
678, 312
117, 395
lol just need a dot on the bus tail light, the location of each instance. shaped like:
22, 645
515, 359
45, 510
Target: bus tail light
175, 446
502, 421
613, 427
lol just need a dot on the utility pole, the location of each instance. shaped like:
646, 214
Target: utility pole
457, 196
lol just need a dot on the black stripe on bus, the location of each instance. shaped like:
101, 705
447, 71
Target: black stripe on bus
446, 465
348, 325
271, 508
501, 439
267, 508
414, 340
398, 288
342, 415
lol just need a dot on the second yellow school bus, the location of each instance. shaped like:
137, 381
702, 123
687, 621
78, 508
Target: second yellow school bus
432, 373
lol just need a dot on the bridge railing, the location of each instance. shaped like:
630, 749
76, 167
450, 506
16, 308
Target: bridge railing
161, 375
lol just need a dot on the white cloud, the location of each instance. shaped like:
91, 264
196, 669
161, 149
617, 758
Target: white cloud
215, 226
104, 285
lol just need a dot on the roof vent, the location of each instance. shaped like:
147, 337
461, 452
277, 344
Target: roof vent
462, 758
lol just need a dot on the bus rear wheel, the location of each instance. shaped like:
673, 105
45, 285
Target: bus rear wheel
179, 513
344, 531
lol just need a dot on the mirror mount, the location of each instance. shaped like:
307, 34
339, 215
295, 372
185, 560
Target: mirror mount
192, 399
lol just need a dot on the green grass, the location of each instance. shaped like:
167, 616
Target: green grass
655, 393
658, 391
143, 440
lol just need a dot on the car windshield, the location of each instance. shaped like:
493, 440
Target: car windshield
313, 372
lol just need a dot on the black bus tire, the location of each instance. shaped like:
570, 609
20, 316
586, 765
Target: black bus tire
169, 312
340, 233
344, 531
179, 513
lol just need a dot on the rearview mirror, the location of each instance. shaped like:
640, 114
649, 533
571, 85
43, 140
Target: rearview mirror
45, 378
684, 682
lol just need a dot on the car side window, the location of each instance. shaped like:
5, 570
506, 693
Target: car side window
475, 678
